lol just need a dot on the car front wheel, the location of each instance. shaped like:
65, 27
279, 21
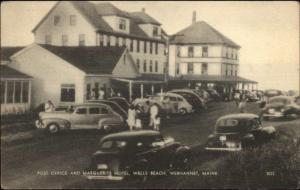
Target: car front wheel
182, 111
53, 128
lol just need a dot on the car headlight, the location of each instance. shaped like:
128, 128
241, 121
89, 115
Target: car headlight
249, 136
102, 166
271, 110
282, 110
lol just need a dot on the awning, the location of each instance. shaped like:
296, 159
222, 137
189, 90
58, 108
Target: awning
211, 78
145, 79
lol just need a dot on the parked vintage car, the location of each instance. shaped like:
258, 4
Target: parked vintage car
121, 101
214, 95
170, 103
271, 93
131, 151
281, 107
114, 106
81, 116
236, 131
193, 98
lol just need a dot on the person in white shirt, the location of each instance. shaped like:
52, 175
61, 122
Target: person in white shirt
101, 94
154, 119
49, 106
131, 117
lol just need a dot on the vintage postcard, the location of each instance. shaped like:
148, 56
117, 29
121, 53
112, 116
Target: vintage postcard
150, 94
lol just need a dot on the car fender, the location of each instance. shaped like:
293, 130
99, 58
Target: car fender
269, 130
112, 121
63, 123
182, 150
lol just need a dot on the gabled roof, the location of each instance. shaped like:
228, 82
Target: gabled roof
6, 52
201, 33
90, 59
8, 72
108, 9
143, 18
94, 12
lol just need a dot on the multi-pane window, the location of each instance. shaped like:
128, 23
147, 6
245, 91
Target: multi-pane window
123, 40
2, 89
156, 66
145, 47
190, 68
25, 92
108, 41
56, 20
117, 41
101, 39
17, 92
72, 20
131, 45
48, 39
81, 40
138, 64
64, 39
145, 65
88, 91
177, 69
155, 31
151, 47
156, 48
67, 93
10, 92
204, 68
231, 71
204, 51
122, 24
138, 46
151, 66
191, 51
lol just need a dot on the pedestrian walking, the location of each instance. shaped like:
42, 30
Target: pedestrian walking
242, 105
49, 106
138, 118
153, 116
237, 97
131, 117
101, 94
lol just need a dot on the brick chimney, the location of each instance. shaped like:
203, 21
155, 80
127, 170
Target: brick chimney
143, 10
194, 17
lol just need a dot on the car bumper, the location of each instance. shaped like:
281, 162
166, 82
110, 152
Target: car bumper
109, 178
223, 149
275, 115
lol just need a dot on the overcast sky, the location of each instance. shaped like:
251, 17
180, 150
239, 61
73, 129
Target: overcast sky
268, 32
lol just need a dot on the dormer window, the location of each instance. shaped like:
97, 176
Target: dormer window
56, 20
155, 31
122, 24
72, 20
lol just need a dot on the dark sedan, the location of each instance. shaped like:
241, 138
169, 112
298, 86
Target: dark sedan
133, 154
236, 131
282, 107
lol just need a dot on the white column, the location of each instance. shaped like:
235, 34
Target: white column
142, 90
29, 93
130, 91
152, 89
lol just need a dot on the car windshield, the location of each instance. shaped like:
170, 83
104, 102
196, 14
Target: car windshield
279, 100
233, 125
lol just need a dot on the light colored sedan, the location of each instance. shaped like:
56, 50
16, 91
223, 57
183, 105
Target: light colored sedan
81, 116
170, 103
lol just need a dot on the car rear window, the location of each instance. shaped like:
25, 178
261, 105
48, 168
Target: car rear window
233, 126
81, 111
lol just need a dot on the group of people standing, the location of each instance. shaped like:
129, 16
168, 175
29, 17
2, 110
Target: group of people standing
142, 117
